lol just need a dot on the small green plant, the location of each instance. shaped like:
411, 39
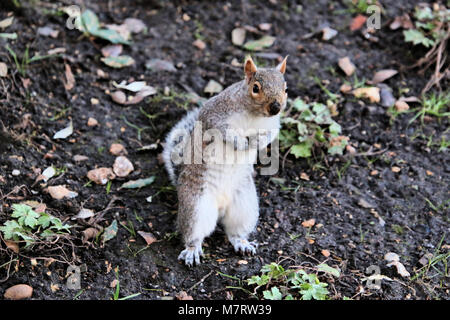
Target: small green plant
289, 284
431, 27
31, 226
360, 6
22, 65
436, 105
307, 126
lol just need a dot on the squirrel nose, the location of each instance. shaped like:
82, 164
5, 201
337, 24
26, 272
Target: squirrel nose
274, 108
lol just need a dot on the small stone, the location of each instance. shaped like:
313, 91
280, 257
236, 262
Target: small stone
117, 149
401, 106
122, 166
92, 122
199, 44
15, 172
101, 175
347, 66
386, 97
18, 292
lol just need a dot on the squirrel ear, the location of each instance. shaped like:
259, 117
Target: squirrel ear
282, 66
249, 68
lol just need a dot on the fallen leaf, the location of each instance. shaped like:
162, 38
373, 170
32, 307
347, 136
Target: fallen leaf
48, 32
328, 33
148, 237
5, 23
383, 75
3, 69
118, 62
134, 25
12, 245
304, 176
122, 166
119, 97
238, 36
403, 21
265, 26
393, 259
64, 133
371, 93
79, 158
345, 88
160, 65
260, 44
309, 223
60, 192
112, 50
347, 66
48, 173
135, 86
110, 232
330, 270
18, 292
325, 253
84, 214
117, 149
134, 184
401, 106
391, 256
101, 175
358, 22
213, 87
89, 233
69, 83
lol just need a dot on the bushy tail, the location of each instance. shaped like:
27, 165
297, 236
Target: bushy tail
186, 124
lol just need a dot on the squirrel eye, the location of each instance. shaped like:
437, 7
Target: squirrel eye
286, 90
255, 88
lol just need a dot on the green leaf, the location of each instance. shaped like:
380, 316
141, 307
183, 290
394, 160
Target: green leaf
9, 228
417, 37
258, 45
110, 232
307, 115
424, 13
334, 128
90, 21
273, 294
302, 129
134, 184
330, 270
300, 105
11, 36
302, 150
118, 62
110, 35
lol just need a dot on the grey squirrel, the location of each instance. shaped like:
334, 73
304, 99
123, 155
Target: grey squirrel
209, 156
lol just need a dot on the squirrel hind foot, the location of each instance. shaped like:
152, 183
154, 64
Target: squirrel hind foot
244, 246
191, 255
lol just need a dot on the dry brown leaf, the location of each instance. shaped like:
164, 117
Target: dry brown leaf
401, 106
238, 36
383, 75
371, 93
309, 223
148, 237
358, 22
119, 97
3, 69
112, 50
325, 253
101, 175
69, 83
347, 66
12, 245
89, 233
60, 192
18, 292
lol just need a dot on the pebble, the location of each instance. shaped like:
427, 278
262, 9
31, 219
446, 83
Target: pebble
387, 99
15, 172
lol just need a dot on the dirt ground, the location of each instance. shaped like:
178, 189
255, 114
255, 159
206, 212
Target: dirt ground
345, 195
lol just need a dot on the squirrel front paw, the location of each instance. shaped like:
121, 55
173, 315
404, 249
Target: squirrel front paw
244, 246
191, 255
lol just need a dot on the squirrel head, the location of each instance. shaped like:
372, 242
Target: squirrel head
266, 88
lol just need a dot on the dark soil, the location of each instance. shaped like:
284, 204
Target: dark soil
413, 202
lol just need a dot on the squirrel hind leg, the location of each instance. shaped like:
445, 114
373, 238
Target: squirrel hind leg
196, 221
241, 217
